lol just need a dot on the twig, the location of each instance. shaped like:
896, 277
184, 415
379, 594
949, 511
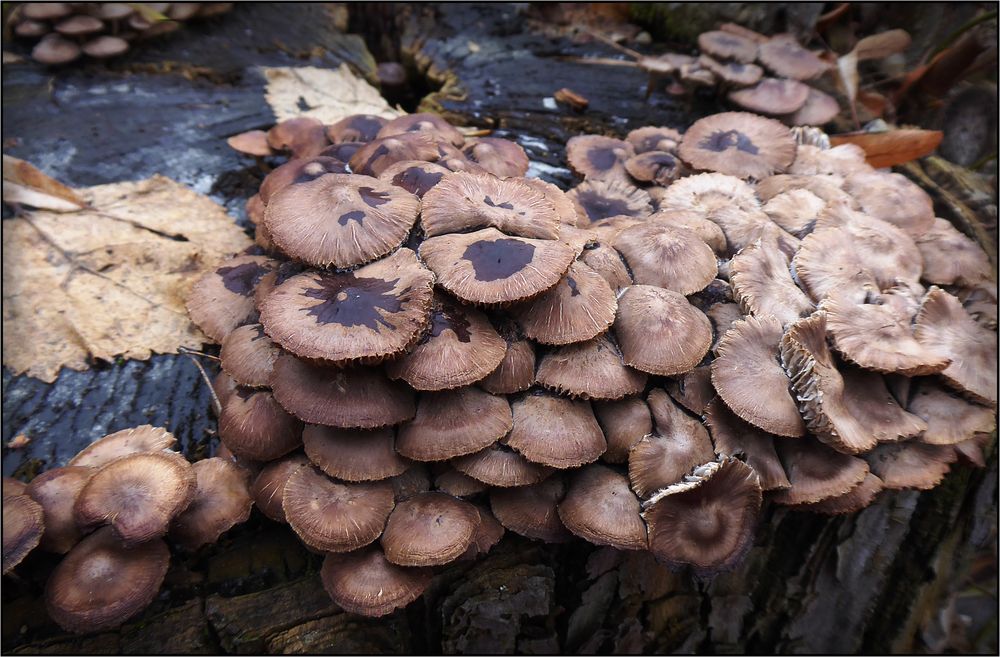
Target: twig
617, 46
190, 353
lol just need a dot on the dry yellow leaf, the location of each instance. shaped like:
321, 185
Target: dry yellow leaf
108, 280
326, 94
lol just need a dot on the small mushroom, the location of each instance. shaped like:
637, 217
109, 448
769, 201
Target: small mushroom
424, 123
78, 25
599, 158
253, 425
600, 507
248, 356
852, 501
145, 438
499, 465
736, 74
816, 472
222, 298
556, 432
45, 11
734, 437
950, 419
624, 422
368, 584
532, 510
579, 307
429, 529
303, 136
268, 489
500, 157
458, 484
672, 258
772, 96
727, 45
819, 109
763, 284
657, 167
893, 198
23, 527
795, 211
708, 192
355, 128
54, 49
601, 199
693, 390
298, 171
590, 370
376, 156
738, 144
105, 46
221, 501
659, 332
608, 263
454, 423
516, 372
785, 57
651, 138
353, 454
56, 490
911, 464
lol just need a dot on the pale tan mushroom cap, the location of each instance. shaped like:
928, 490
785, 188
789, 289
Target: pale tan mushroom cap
145, 438
659, 332
738, 144
600, 507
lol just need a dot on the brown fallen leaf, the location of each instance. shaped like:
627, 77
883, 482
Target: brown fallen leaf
26, 185
886, 149
571, 98
322, 93
19, 441
108, 280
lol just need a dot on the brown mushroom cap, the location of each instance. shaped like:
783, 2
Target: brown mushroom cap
607, 262
738, 144
728, 45
23, 527
221, 501
828, 260
951, 258
27, 27
137, 495
598, 158
341, 220
488, 267
600, 507
788, 59
355, 128
601, 199
253, 425
429, 529
944, 326
251, 142
911, 464
343, 151
430, 124
56, 491
460, 348
693, 390
624, 422
105, 46
376, 156
950, 419
268, 489
652, 138
763, 284
852, 501
55, 49
298, 171
708, 524
222, 298
366, 583
145, 438
558, 198
894, 198
579, 307
516, 372
45, 11
353, 454
464, 201
453, 423
360, 398
557, 432
819, 109
303, 136
499, 465
772, 96
795, 210
658, 167
365, 315
13, 486
672, 258
100, 584
590, 370
734, 437
816, 472
833, 164
459, 484
659, 332
707, 192
414, 176
248, 356
532, 510
501, 157
333, 516
735, 73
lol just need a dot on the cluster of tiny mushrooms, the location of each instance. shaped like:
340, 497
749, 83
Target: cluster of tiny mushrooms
426, 348
67, 31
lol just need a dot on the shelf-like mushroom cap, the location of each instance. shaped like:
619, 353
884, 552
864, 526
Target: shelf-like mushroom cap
727, 45
454, 423
693, 390
414, 176
100, 584
465, 201
429, 529
763, 284
624, 422
303, 136
944, 326
786, 58
145, 438
105, 46
532, 510
353, 454
828, 260
600, 507
795, 211
499, 465
461, 347
23, 527
657, 167
251, 142
501, 157
738, 144
365, 315
46, 11
951, 258
819, 109
950, 419
708, 523
876, 336
490, 268
56, 491
376, 156
137, 495
912, 464
340, 220
734, 437
222, 298
894, 198
672, 258
221, 501
55, 49
775, 96
356, 127
296, 172
253, 425
737, 74
268, 487
590, 370
852, 501
457, 483
432, 125
833, 164
557, 432
651, 138
248, 356
516, 372
368, 584
358, 398
333, 516
601, 199
599, 158
579, 307
659, 331
607, 262
816, 472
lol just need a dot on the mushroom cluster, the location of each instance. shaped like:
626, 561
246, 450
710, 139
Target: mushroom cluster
66, 31
428, 348
108, 511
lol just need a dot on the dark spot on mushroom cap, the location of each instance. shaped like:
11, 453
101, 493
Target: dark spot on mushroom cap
572, 285
352, 301
602, 158
720, 140
506, 206
353, 215
241, 279
318, 167
366, 126
379, 152
417, 181
449, 317
373, 198
496, 259
597, 207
